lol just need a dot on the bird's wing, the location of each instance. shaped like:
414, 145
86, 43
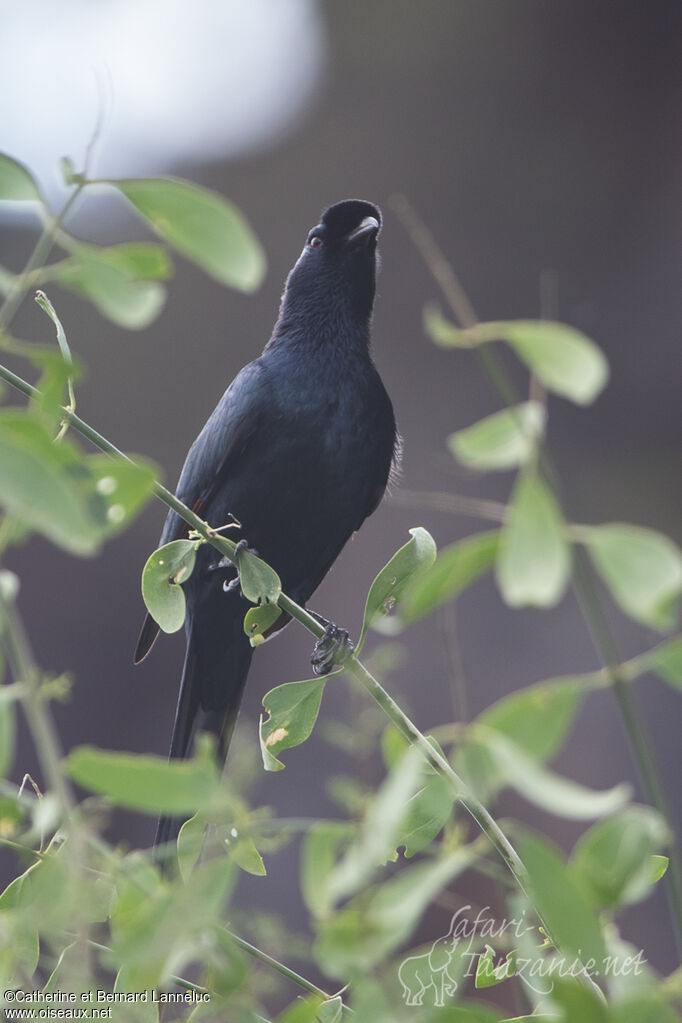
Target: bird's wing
224, 439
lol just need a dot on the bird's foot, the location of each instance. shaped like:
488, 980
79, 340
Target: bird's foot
242, 545
332, 649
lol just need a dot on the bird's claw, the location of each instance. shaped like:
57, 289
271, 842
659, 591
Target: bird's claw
331, 650
241, 545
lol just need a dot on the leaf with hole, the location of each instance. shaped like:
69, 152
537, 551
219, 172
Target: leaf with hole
390, 584
166, 569
292, 709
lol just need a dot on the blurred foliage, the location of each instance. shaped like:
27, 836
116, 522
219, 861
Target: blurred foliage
82, 916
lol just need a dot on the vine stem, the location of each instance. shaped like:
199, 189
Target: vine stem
588, 599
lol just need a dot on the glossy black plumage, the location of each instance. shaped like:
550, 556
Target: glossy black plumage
298, 450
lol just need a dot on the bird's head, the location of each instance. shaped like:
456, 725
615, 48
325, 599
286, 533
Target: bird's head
335, 273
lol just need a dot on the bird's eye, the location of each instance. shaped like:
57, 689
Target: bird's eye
315, 242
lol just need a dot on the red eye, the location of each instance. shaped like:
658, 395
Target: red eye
315, 242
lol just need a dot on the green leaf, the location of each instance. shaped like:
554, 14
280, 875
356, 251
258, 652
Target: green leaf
442, 331
331, 1010
242, 849
389, 586
487, 974
545, 789
145, 783
501, 441
124, 487
258, 620
121, 281
166, 569
666, 661
201, 225
16, 182
538, 717
612, 860
658, 866
303, 1010
293, 709
45, 485
577, 1001
533, 562
258, 582
561, 902
565, 360
319, 854
642, 569
455, 568
380, 829
371, 926
427, 813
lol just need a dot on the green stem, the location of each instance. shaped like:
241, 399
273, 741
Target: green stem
25, 671
40, 253
285, 971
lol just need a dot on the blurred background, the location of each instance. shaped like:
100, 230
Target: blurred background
540, 142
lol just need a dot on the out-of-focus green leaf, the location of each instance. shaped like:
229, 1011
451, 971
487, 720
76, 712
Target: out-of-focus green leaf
642, 569
303, 1010
165, 570
7, 280
293, 709
488, 974
565, 360
373, 925
16, 182
242, 849
501, 441
145, 783
612, 860
129, 980
430, 808
533, 562
258, 582
121, 281
544, 788
658, 866
576, 1002
319, 854
442, 331
123, 488
203, 226
560, 900
380, 830
649, 1007
389, 586
666, 661
455, 568
45, 485
538, 717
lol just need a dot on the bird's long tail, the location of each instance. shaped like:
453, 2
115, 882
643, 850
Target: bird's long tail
213, 678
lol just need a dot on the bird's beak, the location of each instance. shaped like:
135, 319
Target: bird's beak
368, 228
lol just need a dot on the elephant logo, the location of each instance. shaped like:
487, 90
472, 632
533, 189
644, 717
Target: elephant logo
417, 974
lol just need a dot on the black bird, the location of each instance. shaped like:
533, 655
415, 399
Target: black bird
298, 450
